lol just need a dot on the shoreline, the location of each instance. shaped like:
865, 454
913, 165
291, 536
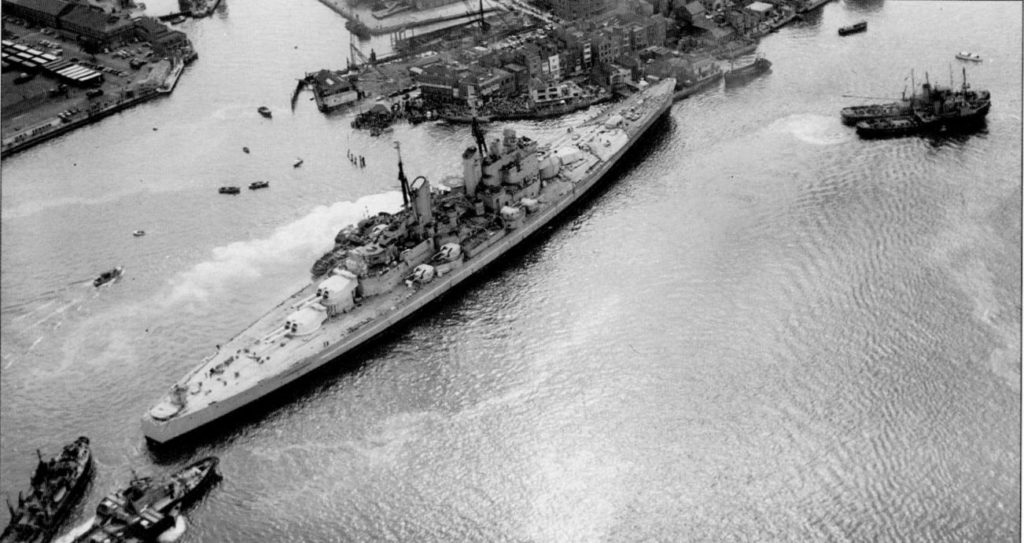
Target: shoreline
349, 15
48, 130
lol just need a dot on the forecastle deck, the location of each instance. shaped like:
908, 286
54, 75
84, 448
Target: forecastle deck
265, 356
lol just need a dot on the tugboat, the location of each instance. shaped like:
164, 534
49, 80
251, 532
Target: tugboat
108, 276
758, 67
229, 190
936, 109
854, 28
259, 185
906, 106
56, 485
265, 111
146, 508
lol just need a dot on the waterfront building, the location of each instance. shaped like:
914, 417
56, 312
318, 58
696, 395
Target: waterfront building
165, 41
430, 4
332, 90
760, 11
438, 83
742, 20
575, 10
550, 94
40, 12
92, 24
692, 14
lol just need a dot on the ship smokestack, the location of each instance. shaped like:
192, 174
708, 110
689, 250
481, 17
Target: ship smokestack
420, 195
471, 171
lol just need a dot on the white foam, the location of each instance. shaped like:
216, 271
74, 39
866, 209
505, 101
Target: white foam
76, 532
174, 532
814, 129
303, 240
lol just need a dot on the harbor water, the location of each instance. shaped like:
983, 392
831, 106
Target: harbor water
760, 328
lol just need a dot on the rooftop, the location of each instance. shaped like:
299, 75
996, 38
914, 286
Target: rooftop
51, 7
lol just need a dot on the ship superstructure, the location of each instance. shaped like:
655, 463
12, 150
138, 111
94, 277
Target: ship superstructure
387, 266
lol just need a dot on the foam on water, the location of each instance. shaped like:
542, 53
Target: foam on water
814, 129
75, 532
300, 240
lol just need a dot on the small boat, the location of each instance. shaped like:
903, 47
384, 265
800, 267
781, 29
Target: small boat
967, 55
297, 163
265, 111
854, 28
259, 185
229, 190
245, 150
149, 506
56, 485
108, 276
139, 233
758, 67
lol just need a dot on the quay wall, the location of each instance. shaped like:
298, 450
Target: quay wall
49, 130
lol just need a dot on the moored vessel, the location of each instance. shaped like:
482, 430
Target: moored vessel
758, 67
57, 485
936, 110
854, 28
388, 266
229, 190
705, 80
145, 508
854, 114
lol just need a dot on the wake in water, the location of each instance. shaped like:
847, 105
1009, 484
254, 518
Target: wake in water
174, 532
300, 241
76, 532
814, 129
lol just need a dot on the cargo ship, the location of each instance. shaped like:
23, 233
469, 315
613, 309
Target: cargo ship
57, 485
705, 80
388, 266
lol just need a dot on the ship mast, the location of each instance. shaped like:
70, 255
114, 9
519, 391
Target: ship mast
401, 177
478, 134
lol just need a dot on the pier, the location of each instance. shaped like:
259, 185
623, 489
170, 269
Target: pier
348, 14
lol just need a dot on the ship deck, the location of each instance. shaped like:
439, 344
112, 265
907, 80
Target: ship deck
265, 351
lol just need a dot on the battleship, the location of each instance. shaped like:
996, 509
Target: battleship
147, 507
388, 266
56, 485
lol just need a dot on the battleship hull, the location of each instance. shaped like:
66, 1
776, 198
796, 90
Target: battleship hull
160, 426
